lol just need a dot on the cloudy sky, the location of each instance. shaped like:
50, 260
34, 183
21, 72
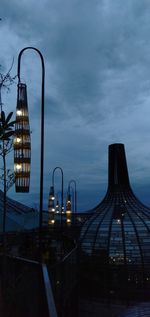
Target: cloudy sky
97, 60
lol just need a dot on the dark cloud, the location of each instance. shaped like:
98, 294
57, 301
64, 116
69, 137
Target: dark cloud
97, 58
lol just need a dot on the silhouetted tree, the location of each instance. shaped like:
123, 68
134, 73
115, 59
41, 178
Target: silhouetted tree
6, 144
6, 138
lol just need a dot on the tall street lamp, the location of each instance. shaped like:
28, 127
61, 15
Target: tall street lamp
57, 207
62, 189
72, 181
69, 208
22, 146
51, 206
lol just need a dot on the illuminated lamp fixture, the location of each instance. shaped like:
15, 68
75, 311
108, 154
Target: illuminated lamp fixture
68, 209
22, 145
22, 142
74, 198
57, 205
62, 191
51, 206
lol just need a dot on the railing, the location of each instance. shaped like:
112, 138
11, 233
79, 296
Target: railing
27, 284
25, 289
25, 244
48, 292
64, 279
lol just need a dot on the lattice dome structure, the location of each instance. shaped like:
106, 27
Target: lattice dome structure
115, 240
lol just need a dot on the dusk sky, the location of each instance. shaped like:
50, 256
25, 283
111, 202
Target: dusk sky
97, 61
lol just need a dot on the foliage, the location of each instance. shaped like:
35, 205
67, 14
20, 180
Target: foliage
6, 80
6, 126
6, 133
10, 178
6, 145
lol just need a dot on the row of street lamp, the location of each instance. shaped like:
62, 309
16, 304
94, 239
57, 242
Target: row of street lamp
53, 208
22, 152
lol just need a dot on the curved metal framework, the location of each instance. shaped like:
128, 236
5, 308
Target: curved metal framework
118, 232
42, 125
22, 142
62, 189
72, 181
68, 209
51, 206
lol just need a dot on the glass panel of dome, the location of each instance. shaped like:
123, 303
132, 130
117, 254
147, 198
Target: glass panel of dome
128, 237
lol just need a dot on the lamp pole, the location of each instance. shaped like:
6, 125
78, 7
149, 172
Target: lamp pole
42, 127
72, 194
72, 181
62, 188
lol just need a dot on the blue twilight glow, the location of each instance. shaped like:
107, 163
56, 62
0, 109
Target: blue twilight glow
97, 59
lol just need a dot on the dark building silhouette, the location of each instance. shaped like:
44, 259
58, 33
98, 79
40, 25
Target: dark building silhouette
98, 265
115, 240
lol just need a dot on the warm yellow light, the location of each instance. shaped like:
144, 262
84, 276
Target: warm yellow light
17, 140
19, 112
53, 209
51, 221
68, 220
18, 166
68, 211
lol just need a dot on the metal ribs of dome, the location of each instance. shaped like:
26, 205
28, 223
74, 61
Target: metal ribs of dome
119, 229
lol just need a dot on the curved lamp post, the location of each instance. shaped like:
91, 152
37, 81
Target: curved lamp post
57, 205
51, 206
62, 189
72, 181
22, 145
69, 207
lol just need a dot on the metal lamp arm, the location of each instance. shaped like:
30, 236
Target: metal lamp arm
42, 122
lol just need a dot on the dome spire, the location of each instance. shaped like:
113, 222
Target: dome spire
117, 167
115, 239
